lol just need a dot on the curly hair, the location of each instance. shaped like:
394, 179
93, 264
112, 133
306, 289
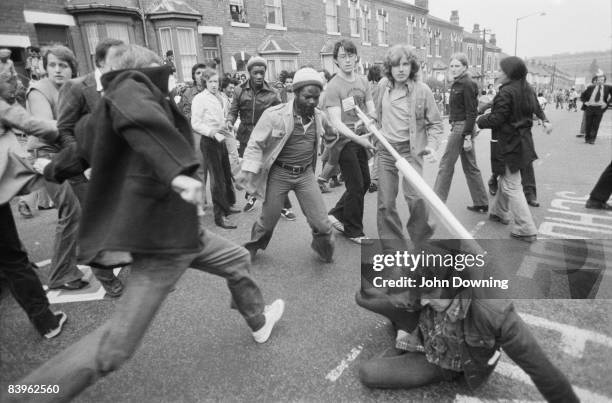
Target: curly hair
62, 53
394, 56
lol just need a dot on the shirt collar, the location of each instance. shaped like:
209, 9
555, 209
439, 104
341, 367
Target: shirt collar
97, 75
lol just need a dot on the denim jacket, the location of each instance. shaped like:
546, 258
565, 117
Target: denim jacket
491, 324
427, 128
268, 139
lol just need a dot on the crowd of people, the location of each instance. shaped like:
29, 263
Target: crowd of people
120, 137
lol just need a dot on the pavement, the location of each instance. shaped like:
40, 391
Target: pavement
198, 349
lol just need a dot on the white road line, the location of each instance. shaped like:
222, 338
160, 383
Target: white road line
514, 372
335, 373
477, 227
471, 399
573, 339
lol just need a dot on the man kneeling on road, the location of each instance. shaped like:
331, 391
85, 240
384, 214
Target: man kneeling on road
281, 156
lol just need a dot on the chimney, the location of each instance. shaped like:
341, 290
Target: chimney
476, 29
422, 4
454, 18
493, 40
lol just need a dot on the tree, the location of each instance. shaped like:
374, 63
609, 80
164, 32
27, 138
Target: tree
593, 67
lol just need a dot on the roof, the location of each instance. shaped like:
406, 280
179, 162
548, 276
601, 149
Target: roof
437, 20
278, 44
173, 7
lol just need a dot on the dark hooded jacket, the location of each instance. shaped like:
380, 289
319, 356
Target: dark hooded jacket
135, 141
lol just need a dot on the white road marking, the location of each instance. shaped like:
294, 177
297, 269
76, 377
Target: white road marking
335, 373
573, 339
514, 372
471, 399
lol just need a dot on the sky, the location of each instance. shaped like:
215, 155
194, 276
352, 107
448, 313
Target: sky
568, 26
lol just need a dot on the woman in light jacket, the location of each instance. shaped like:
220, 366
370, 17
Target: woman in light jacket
207, 120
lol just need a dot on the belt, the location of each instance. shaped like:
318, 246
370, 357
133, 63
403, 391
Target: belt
295, 169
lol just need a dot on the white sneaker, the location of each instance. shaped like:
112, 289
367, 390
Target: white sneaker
362, 240
336, 223
273, 313
60, 324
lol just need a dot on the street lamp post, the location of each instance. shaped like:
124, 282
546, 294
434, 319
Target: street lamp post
540, 13
482, 60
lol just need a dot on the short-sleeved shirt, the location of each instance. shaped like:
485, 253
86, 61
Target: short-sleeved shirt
300, 146
339, 92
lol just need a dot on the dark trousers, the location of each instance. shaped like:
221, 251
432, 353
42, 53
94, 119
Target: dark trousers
241, 147
17, 271
592, 117
217, 163
528, 181
603, 188
356, 173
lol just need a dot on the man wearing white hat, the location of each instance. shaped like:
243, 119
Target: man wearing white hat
281, 156
595, 100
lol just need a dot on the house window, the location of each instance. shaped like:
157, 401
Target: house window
410, 33
118, 31
479, 55
382, 22
431, 47
237, 11
353, 18
470, 52
437, 44
274, 12
210, 49
187, 51
91, 32
165, 40
488, 62
331, 16
278, 63
365, 24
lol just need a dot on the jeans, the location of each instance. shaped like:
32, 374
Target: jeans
152, 278
16, 269
510, 201
280, 182
221, 186
603, 188
356, 173
388, 220
394, 370
454, 149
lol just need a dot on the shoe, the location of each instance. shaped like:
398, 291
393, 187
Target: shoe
113, 288
478, 209
597, 205
323, 185
496, 218
580, 135
362, 240
72, 285
223, 222
338, 226
524, 238
61, 319
250, 204
288, 214
492, 186
533, 203
272, 313
373, 188
233, 210
591, 142
24, 209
